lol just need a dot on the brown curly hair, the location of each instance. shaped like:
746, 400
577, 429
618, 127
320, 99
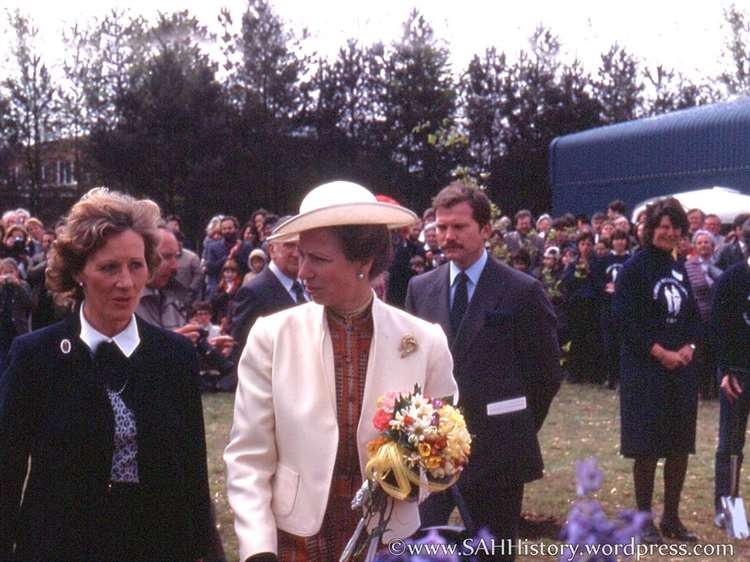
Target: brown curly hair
98, 215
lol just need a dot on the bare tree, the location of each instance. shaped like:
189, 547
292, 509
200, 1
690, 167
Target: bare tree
33, 101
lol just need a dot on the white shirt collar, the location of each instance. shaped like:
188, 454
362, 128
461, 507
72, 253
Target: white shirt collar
287, 282
473, 271
127, 340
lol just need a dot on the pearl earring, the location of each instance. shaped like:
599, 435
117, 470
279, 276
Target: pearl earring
360, 275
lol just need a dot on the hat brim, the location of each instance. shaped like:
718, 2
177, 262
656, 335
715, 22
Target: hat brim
365, 213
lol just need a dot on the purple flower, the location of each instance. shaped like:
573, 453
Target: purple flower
630, 526
588, 477
587, 523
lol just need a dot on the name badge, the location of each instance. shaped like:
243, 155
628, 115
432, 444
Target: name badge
506, 406
677, 275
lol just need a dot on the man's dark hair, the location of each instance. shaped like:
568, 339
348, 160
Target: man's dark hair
257, 212
666, 207
582, 218
598, 216
523, 213
175, 218
231, 218
457, 193
199, 306
364, 242
585, 235
570, 219
606, 241
271, 220
739, 220
620, 235
521, 256
618, 206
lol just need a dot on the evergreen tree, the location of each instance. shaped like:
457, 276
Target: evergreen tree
169, 141
418, 102
617, 87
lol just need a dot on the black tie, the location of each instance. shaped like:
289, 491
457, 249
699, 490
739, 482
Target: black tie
460, 301
111, 364
298, 292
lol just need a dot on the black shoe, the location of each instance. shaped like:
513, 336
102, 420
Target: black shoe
650, 534
676, 530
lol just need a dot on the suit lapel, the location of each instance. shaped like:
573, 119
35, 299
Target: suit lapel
439, 298
482, 302
281, 296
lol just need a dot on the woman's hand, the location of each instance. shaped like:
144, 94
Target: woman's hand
670, 360
686, 352
731, 387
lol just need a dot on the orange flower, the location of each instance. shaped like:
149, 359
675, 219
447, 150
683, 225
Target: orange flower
424, 450
374, 445
433, 462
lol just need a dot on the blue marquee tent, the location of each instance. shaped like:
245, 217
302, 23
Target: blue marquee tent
679, 151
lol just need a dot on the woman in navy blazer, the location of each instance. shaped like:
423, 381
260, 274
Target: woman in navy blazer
102, 449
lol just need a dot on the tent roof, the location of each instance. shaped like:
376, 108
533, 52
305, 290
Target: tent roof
722, 201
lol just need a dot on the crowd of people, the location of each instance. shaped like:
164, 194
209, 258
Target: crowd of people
116, 285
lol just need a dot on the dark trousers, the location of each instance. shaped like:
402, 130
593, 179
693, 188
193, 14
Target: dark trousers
496, 508
610, 333
732, 418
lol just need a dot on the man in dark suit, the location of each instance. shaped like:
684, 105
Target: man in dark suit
275, 288
502, 332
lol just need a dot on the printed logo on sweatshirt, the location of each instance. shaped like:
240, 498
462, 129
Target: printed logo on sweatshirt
670, 294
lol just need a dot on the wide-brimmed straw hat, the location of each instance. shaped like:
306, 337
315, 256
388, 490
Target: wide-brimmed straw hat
340, 203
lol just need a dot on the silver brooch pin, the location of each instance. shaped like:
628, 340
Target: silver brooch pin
65, 346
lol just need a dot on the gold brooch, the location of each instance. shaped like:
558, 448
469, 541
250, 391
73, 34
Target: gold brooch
408, 345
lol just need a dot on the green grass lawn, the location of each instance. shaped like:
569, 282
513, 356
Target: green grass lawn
583, 421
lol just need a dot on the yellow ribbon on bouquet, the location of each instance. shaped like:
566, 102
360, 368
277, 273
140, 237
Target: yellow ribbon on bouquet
389, 459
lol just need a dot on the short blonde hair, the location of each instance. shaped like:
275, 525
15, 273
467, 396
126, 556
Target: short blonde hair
98, 215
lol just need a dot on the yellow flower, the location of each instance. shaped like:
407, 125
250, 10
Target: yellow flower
424, 449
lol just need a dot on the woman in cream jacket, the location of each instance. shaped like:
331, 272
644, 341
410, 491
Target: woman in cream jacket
309, 378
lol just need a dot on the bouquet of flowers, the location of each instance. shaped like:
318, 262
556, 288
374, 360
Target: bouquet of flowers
423, 447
